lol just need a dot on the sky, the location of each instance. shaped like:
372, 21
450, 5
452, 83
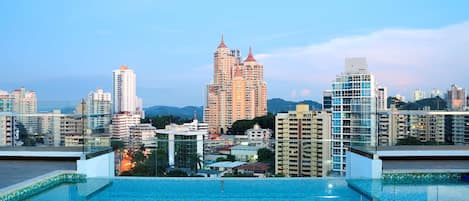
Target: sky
65, 49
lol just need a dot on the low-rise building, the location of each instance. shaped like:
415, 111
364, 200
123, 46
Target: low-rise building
226, 167
255, 169
184, 144
245, 152
258, 136
120, 126
142, 135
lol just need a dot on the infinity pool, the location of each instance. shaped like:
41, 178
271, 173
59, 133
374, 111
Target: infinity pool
204, 189
283, 189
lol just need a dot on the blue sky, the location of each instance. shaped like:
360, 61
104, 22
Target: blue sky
65, 49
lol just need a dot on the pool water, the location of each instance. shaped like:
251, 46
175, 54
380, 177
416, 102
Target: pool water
412, 191
204, 189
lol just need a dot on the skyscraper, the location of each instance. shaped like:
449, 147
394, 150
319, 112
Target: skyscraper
25, 103
354, 110
6, 102
124, 87
238, 90
418, 95
98, 110
456, 98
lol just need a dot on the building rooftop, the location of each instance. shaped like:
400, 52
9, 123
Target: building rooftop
246, 147
254, 167
227, 164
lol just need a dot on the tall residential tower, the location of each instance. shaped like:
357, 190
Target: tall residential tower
238, 90
125, 95
354, 108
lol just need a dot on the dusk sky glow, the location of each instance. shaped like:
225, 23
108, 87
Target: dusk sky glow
65, 49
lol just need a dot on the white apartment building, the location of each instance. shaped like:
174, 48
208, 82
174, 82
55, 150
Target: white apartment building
98, 111
120, 125
125, 91
354, 107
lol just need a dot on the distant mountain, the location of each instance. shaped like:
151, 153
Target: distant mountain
183, 112
436, 103
274, 106
277, 105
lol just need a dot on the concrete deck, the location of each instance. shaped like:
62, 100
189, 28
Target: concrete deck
16, 171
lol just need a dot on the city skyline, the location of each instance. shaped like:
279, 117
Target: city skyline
73, 52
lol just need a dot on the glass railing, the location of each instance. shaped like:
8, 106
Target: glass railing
144, 150
70, 129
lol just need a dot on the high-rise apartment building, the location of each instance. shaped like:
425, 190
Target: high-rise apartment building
302, 147
24, 104
6, 102
354, 110
425, 126
98, 111
238, 90
125, 92
456, 98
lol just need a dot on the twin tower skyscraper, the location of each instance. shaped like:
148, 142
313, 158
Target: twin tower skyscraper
238, 90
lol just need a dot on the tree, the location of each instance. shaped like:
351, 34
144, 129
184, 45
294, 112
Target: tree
266, 155
415, 141
228, 158
117, 145
240, 126
24, 136
161, 121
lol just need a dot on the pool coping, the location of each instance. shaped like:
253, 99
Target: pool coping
30, 187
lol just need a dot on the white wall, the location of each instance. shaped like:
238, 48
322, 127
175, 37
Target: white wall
359, 166
100, 166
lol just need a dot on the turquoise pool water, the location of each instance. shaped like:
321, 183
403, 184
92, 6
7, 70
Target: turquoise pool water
204, 189
412, 191
156, 189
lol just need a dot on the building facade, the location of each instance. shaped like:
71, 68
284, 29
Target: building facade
418, 94
258, 136
9, 133
98, 111
456, 98
238, 90
183, 144
382, 98
125, 92
425, 126
327, 100
6, 102
354, 108
120, 126
302, 147
142, 136
24, 104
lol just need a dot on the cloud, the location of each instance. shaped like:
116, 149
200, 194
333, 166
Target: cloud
401, 59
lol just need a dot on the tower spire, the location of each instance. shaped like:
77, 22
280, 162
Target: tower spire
222, 43
250, 56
